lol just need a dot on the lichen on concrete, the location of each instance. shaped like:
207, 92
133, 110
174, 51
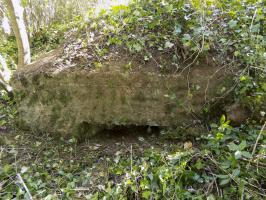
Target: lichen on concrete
74, 100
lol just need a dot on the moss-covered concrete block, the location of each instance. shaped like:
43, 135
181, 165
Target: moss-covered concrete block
71, 100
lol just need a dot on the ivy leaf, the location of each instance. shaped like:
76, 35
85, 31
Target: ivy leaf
222, 176
6, 169
246, 154
222, 119
232, 146
235, 172
23, 170
232, 23
137, 47
255, 28
226, 164
168, 44
146, 58
146, 194
199, 164
237, 53
238, 155
186, 37
178, 29
242, 145
211, 197
224, 181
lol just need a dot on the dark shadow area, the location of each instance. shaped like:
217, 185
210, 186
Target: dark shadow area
128, 132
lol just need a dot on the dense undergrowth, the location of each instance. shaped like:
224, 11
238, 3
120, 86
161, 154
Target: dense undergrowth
174, 35
223, 162
226, 163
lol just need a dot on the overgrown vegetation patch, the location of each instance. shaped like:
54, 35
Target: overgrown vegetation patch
215, 161
226, 163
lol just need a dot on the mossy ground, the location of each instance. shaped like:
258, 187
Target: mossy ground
67, 169
135, 163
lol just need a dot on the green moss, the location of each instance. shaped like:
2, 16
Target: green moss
47, 97
110, 83
33, 99
113, 96
20, 95
123, 98
225, 85
21, 123
171, 108
140, 96
36, 79
55, 115
99, 92
104, 112
24, 82
64, 97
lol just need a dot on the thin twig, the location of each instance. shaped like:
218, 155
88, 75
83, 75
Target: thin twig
253, 18
24, 186
201, 48
131, 158
256, 144
252, 162
81, 189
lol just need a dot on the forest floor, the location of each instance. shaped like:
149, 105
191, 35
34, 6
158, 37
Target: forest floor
49, 165
135, 163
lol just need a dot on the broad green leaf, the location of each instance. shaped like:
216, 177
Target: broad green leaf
7, 168
24, 169
246, 154
177, 29
236, 172
242, 145
238, 154
226, 164
222, 176
168, 44
146, 194
137, 47
232, 23
232, 146
222, 119
237, 53
224, 181
211, 197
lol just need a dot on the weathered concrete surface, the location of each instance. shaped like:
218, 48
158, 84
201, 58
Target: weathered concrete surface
69, 101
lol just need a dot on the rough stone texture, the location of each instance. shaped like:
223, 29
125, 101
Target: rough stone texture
237, 114
74, 100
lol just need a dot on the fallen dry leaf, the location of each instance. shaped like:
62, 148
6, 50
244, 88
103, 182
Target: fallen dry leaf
188, 145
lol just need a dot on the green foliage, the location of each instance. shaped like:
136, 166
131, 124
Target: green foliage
7, 111
172, 34
43, 41
8, 49
218, 165
52, 37
230, 29
225, 163
251, 91
145, 27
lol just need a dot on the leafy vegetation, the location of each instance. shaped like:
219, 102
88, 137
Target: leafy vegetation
226, 163
221, 162
233, 29
7, 111
229, 33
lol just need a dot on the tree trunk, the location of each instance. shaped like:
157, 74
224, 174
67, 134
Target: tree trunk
5, 75
16, 10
